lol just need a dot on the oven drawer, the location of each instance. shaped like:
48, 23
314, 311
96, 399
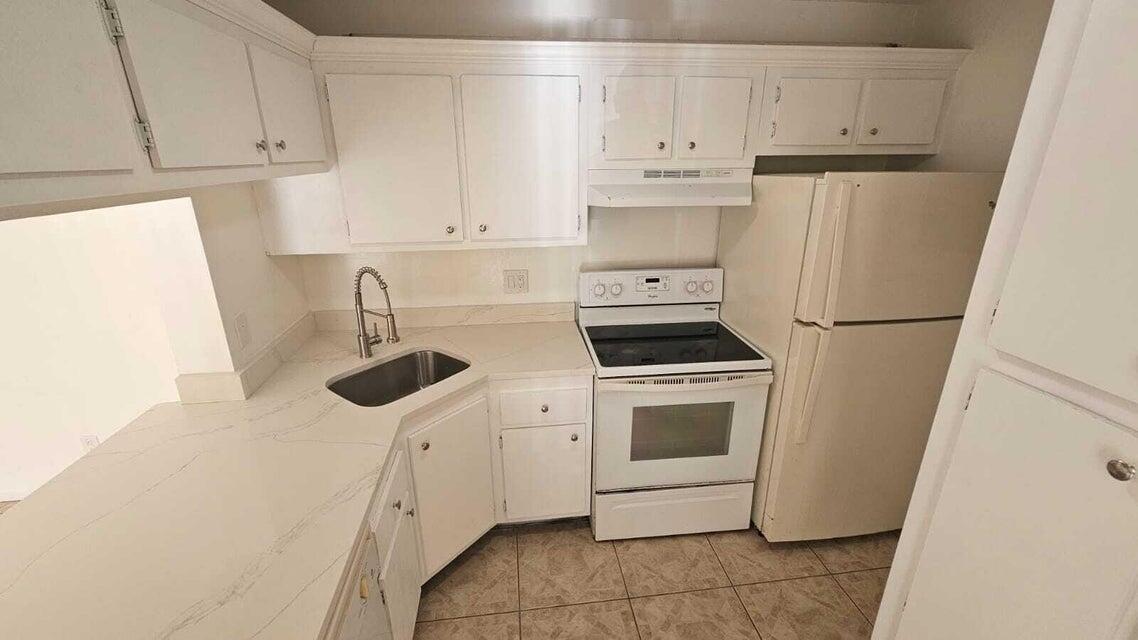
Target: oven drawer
668, 512
543, 406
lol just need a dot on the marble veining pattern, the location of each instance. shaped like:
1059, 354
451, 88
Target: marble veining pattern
234, 519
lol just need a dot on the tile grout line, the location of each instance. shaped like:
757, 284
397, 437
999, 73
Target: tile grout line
732, 583
850, 598
627, 593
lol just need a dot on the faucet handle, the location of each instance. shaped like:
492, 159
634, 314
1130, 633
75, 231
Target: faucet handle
374, 329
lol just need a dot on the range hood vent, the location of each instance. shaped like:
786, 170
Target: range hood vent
669, 187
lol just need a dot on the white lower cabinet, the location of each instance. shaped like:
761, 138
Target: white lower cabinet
450, 464
545, 472
364, 617
400, 578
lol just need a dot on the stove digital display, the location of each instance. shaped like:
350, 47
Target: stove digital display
651, 283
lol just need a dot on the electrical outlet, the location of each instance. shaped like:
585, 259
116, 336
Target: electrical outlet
241, 328
89, 441
515, 281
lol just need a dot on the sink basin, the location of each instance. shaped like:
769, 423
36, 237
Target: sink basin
389, 381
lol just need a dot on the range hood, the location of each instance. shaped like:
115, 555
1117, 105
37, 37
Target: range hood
669, 187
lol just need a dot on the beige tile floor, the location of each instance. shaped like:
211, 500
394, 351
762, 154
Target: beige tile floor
554, 581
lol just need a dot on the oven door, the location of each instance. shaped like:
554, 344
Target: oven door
678, 430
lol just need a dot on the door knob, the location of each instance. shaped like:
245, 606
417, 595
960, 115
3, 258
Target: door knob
873, 131
573, 437
545, 408
1120, 470
691, 145
281, 145
844, 131
660, 145
450, 228
482, 228
398, 505
262, 145
425, 446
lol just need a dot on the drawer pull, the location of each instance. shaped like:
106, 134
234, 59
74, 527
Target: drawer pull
573, 437
425, 446
545, 408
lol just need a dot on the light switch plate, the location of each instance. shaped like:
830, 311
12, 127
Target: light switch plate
515, 281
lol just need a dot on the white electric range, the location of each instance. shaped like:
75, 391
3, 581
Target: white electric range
679, 405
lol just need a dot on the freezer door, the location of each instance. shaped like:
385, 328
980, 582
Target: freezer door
857, 405
895, 246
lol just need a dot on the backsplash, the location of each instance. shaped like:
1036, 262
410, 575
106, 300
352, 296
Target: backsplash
627, 238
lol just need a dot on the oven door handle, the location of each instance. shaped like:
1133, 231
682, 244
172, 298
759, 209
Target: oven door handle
750, 380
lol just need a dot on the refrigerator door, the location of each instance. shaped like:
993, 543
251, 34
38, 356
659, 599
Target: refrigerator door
857, 405
895, 246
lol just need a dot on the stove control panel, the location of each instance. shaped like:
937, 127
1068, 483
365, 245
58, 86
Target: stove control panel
655, 286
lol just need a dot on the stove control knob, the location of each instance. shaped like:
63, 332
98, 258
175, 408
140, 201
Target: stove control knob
616, 289
599, 289
691, 287
708, 286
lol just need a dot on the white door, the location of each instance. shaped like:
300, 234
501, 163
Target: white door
1070, 302
400, 579
638, 117
1032, 537
194, 86
713, 117
286, 92
678, 430
522, 156
815, 111
450, 465
858, 402
61, 94
398, 157
545, 471
895, 246
901, 111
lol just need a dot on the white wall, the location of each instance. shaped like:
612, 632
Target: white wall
991, 85
844, 21
617, 239
268, 290
82, 335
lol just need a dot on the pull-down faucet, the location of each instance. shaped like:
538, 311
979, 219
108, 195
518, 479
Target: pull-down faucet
365, 341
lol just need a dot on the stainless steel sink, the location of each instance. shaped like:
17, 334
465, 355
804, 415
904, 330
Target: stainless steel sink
389, 381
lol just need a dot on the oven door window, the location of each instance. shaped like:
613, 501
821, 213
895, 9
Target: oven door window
681, 431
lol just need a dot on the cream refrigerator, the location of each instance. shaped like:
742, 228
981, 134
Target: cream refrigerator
854, 284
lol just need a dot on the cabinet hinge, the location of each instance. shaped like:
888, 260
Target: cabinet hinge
145, 134
382, 596
111, 20
995, 310
774, 127
604, 93
777, 94
578, 223
327, 94
604, 143
499, 441
578, 93
504, 508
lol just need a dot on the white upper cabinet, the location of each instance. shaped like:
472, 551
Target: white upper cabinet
815, 111
398, 157
1032, 537
901, 111
286, 92
522, 143
1070, 302
62, 100
194, 87
713, 117
638, 113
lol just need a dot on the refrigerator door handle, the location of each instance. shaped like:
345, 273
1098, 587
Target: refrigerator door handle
837, 249
807, 417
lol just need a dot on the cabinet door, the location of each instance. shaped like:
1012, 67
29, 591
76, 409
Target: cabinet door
901, 111
996, 564
193, 85
365, 617
522, 155
815, 111
400, 579
450, 465
545, 472
286, 92
64, 107
713, 117
398, 156
1080, 321
638, 117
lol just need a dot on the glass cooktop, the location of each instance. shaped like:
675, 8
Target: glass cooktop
672, 343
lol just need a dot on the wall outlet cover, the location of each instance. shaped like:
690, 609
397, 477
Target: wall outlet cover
241, 328
515, 281
89, 441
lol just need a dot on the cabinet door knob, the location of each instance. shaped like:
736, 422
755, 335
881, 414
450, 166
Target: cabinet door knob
398, 505
545, 408
411, 512
281, 145
660, 145
573, 437
425, 446
262, 145
482, 228
450, 229
873, 131
844, 131
1120, 470
691, 145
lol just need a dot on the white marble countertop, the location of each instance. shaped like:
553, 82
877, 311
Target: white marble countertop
233, 519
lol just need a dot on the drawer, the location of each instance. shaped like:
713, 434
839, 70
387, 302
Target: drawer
543, 406
394, 496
